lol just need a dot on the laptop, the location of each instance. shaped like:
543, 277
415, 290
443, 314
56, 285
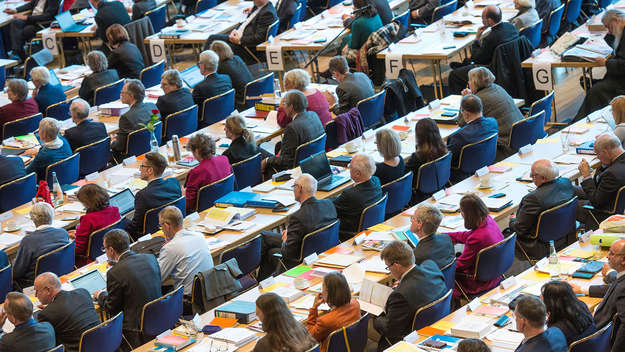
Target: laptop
55, 81
192, 76
124, 201
607, 116
91, 281
67, 23
319, 167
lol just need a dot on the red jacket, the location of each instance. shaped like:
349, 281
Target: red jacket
317, 103
17, 110
89, 223
208, 171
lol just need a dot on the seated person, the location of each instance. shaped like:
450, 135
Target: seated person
45, 94
21, 105
212, 168
477, 128
108, 13
101, 75
243, 145
421, 11
99, 214
483, 232
418, 286
313, 214
213, 83
389, 146
24, 27
125, 57
285, 9
304, 128
381, 6
361, 28
353, 86
158, 192
86, 130
436, 247
70, 312
53, 148
44, 239
527, 14
140, 112
176, 97
530, 316
300, 79
335, 292
140, 7
28, 335
429, 146
234, 67
472, 345
544, 8
566, 312
11, 168
618, 114
354, 199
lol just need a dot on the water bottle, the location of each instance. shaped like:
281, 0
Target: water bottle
276, 88
57, 191
175, 142
553, 255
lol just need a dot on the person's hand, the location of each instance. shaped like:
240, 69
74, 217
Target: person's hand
96, 294
512, 216
19, 16
414, 13
329, 97
129, 9
480, 31
31, 151
318, 300
600, 60
72, 234
35, 91
346, 16
284, 232
576, 288
234, 37
94, 27
605, 270
247, 10
584, 168
466, 91
3, 318
263, 165
10, 11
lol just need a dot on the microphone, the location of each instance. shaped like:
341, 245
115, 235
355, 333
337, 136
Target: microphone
359, 10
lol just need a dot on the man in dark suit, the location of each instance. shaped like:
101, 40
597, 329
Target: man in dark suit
108, 13
11, 167
28, 335
176, 97
140, 112
418, 285
86, 131
159, 191
600, 190
285, 10
213, 84
24, 27
44, 239
313, 214
305, 127
353, 200
244, 39
69, 312
483, 47
421, 10
133, 281
436, 247
101, 76
45, 94
140, 7
353, 86
531, 315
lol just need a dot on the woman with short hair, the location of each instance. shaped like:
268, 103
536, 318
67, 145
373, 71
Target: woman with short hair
125, 57
389, 146
100, 76
243, 145
20, 105
233, 66
527, 14
46, 94
566, 312
300, 80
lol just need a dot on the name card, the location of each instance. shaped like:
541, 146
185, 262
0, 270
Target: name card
267, 282
6, 216
481, 172
541, 72
311, 259
145, 238
49, 42
393, 62
509, 282
525, 149
439, 195
130, 160
472, 306
157, 50
92, 176
193, 216
274, 58
434, 104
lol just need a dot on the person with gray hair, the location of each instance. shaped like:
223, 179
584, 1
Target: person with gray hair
86, 131
176, 97
389, 146
424, 223
527, 14
353, 86
44, 239
46, 94
550, 191
354, 199
101, 75
304, 128
53, 148
29, 335
213, 84
313, 214
20, 105
300, 79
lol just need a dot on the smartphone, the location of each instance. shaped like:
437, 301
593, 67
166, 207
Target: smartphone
279, 210
502, 321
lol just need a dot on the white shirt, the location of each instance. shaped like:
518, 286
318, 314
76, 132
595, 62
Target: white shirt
38, 10
249, 19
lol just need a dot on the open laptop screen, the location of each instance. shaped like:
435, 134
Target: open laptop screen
192, 76
316, 165
91, 281
65, 20
124, 201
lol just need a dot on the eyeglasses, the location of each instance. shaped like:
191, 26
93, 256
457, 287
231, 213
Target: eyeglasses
388, 267
144, 166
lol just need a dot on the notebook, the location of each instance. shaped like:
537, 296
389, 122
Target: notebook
124, 201
91, 281
67, 23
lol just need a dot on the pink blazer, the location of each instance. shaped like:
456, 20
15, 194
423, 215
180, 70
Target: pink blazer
208, 171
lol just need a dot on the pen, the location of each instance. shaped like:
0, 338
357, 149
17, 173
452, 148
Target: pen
449, 47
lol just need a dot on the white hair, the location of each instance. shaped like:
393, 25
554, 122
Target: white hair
210, 60
42, 213
364, 164
308, 184
40, 75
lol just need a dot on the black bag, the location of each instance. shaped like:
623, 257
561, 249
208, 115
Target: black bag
402, 96
151, 246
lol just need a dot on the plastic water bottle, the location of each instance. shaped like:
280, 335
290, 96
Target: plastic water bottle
276, 88
57, 191
554, 269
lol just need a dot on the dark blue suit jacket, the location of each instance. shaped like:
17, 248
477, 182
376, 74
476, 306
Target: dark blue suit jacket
473, 131
48, 95
551, 340
29, 336
32, 246
214, 84
86, 132
173, 102
11, 168
157, 193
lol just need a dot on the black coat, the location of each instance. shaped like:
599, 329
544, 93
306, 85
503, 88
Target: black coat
86, 132
239, 150
482, 50
50, 9
613, 302
426, 9
437, 247
36, 244
11, 168
156, 193
96, 80
30, 336
305, 127
139, 8
285, 10
110, 13
601, 190
214, 84
126, 59
353, 200
173, 102
239, 74
256, 31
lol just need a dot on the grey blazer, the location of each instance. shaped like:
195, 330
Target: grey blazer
220, 284
526, 16
355, 87
128, 122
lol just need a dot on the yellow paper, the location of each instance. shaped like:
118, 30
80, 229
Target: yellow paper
138, 183
444, 325
548, 140
535, 276
23, 211
220, 215
381, 227
402, 346
579, 253
334, 153
506, 164
275, 286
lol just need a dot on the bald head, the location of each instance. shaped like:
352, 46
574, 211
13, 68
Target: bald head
361, 168
49, 280
607, 147
47, 286
544, 171
491, 15
616, 256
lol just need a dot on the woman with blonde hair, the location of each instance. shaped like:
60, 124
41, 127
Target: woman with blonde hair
300, 80
233, 66
618, 113
389, 146
527, 15
243, 144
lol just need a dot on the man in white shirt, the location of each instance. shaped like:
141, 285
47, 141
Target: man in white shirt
24, 27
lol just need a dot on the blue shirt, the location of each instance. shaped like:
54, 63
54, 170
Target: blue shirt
49, 94
47, 156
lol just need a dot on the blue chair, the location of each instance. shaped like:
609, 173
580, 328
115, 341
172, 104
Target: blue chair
138, 142
444, 10
150, 219
247, 172
67, 170
105, 337
598, 341
527, 131
296, 16
332, 3
22, 126
162, 313
432, 312
399, 193
151, 75
3, 77
617, 208
17, 192
248, 257
95, 156
532, 33
203, 5
217, 108
59, 261
29, 64
6, 281
158, 17
180, 123
477, 155
272, 31
58, 348
433, 175
571, 12
207, 195
320, 240
309, 148
543, 104
96, 239
449, 272
373, 214
372, 109
350, 338
108, 93
302, 16
256, 88
553, 25
314, 349
403, 19
331, 136
60, 110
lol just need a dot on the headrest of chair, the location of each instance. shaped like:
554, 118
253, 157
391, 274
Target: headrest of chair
43, 57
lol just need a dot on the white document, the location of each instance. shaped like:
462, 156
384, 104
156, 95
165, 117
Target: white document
157, 50
9, 239
74, 207
306, 302
354, 273
381, 236
373, 297
375, 264
48, 39
283, 199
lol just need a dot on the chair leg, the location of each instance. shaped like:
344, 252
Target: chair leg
461, 290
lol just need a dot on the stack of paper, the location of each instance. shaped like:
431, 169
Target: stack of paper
375, 264
337, 260
473, 326
8, 240
288, 294
506, 339
306, 302
373, 297
236, 336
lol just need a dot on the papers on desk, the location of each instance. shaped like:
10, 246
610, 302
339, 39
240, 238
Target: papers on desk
496, 204
9, 239
570, 159
473, 327
504, 338
450, 203
22, 142
73, 207
114, 108
236, 336
564, 267
306, 302
337, 260
298, 34
375, 265
285, 200
452, 222
373, 297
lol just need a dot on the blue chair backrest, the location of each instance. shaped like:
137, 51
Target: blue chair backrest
532, 33
58, 348
162, 313
60, 110
158, 17
332, 3
320, 240
433, 175
432, 312
353, 335
248, 255
404, 19
59, 261
315, 349
399, 193
557, 222
495, 260
449, 272
150, 220
3, 76
96, 238
257, 88
307, 149
555, 17
331, 136
444, 10
208, 194
22, 126
203, 5
527, 131
67, 170
477, 155
372, 109
605, 3
373, 214
180, 123
217, 108
108, 93
543, 104
29, 64
272, 31
151, 75
104, 337
138, 142
597, 342
296, 16
17, 192
6, 281
619, 204
247, 172
95, 156
573, 9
